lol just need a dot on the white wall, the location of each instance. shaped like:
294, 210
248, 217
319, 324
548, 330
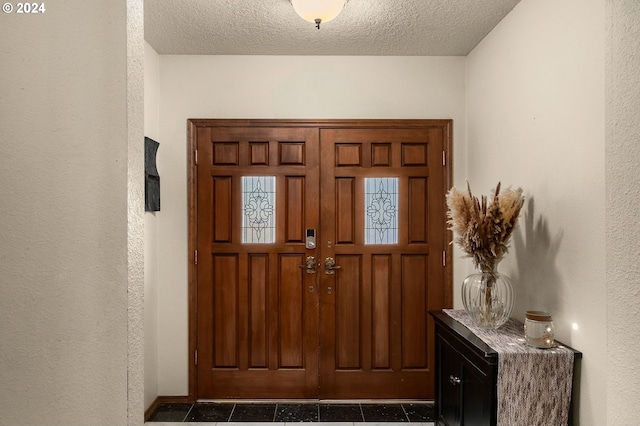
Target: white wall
134, 30
274, 87
152, 130
622, 161
70, 229
536, 119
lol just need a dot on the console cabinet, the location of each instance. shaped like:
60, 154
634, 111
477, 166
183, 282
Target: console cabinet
466, 375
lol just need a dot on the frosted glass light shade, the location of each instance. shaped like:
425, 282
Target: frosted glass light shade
318, 10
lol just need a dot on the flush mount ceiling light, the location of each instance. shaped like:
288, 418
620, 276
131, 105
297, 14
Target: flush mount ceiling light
318, 11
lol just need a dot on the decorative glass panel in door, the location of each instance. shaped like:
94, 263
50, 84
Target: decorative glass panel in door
381, 208
258, 209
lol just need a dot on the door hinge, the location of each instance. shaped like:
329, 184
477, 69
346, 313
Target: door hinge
195, 357
195, 257
444, 258
444, 158
195, 156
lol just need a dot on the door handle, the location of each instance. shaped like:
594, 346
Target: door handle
330, 266
310, 265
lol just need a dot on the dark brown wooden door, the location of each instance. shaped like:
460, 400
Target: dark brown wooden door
269, 328
376, 334
257, 316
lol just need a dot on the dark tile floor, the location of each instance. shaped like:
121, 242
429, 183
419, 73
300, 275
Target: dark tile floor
309, 412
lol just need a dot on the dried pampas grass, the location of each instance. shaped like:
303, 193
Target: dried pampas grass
483, 229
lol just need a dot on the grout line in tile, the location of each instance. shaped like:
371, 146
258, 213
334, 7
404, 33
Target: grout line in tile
231, 414
405, 413
186, 416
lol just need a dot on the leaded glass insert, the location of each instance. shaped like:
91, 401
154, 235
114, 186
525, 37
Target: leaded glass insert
258, 209
381, 210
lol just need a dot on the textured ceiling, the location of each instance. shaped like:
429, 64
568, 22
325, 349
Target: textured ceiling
365, 27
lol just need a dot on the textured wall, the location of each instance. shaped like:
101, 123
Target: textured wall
68, 264
273, 87
151, 125
536, 105
623, 203
135, 212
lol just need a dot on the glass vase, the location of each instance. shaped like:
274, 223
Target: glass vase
488, 298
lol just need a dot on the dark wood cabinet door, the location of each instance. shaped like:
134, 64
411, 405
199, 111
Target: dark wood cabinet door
476, 392
449, 384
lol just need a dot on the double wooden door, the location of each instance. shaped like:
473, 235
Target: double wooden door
320, 250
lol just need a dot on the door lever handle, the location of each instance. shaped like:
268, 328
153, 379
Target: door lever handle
330, 266
310, 265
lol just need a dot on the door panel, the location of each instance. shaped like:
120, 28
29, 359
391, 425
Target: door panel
376, 336
266, 328
257, 308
